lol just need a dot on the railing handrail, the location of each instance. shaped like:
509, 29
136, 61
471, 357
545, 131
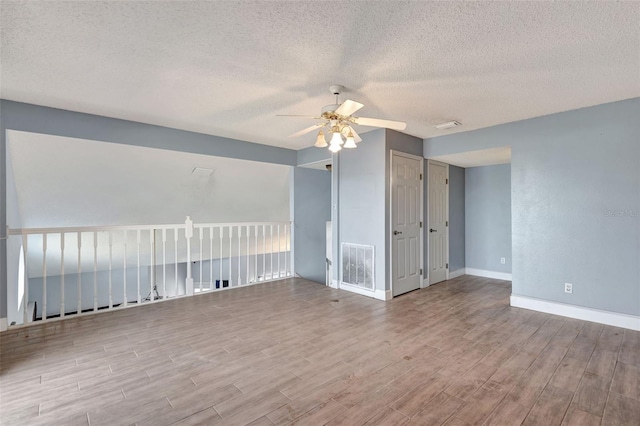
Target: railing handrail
209, 225
72, 229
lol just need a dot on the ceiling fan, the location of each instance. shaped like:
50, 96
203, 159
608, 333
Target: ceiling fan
338, 120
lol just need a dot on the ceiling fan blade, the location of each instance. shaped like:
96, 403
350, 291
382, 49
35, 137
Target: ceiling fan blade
376, 122
348, 107
307, 130
299, 116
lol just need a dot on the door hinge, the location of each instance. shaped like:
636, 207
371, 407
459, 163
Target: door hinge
420, 176
447, 223
420, 224
446, 181
420, 271
447, 266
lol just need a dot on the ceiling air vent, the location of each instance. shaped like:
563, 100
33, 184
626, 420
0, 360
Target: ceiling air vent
201, 171
448, 125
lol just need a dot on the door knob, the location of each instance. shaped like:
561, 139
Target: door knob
432, 230
396, 232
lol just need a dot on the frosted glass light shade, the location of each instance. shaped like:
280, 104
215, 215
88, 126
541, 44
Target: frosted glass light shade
351, 142
335, 147
320, 141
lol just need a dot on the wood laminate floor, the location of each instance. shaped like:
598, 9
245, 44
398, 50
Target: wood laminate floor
295, 352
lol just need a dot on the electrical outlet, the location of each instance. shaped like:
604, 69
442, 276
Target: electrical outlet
503, 260
568, 288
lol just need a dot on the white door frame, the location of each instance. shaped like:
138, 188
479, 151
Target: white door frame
426, 223
389, 203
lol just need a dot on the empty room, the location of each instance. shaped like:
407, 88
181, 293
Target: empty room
319, 213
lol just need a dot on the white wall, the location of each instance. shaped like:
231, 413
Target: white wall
74, 182
14, 245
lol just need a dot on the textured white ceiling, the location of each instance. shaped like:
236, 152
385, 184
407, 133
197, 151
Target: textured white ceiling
226, 68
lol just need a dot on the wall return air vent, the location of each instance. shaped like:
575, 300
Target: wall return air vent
358, 266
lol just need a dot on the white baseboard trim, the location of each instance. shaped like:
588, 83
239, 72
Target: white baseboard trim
425, 283
384, 295
3, 324
615, 319
334, 284
376, 294
487, 274
457, 273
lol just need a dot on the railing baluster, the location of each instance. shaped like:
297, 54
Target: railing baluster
138, 264
239, 254
248, 252
125, 300
44, 276
286, 256
221, 248
255, 253
164, 263
230, 255
210, 258
95, 271
25, 294
152, 265
61, 274
175, 243
201, 235
271, 254
188, 234
79, 307
110, 270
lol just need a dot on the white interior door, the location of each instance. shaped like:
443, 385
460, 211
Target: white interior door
406, 216
438, 184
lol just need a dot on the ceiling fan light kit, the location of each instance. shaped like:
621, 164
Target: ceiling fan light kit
340, 121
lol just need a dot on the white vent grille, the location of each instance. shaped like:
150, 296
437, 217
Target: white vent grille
357, 265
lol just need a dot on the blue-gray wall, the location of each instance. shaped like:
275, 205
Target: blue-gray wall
52, 121
575, 202
488, 217
456, 218
362, 204
312, 155
311, 212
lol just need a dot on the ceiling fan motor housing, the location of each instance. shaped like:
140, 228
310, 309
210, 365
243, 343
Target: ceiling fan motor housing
336, 89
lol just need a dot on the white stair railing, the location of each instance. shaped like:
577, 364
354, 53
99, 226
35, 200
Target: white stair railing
72, 271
